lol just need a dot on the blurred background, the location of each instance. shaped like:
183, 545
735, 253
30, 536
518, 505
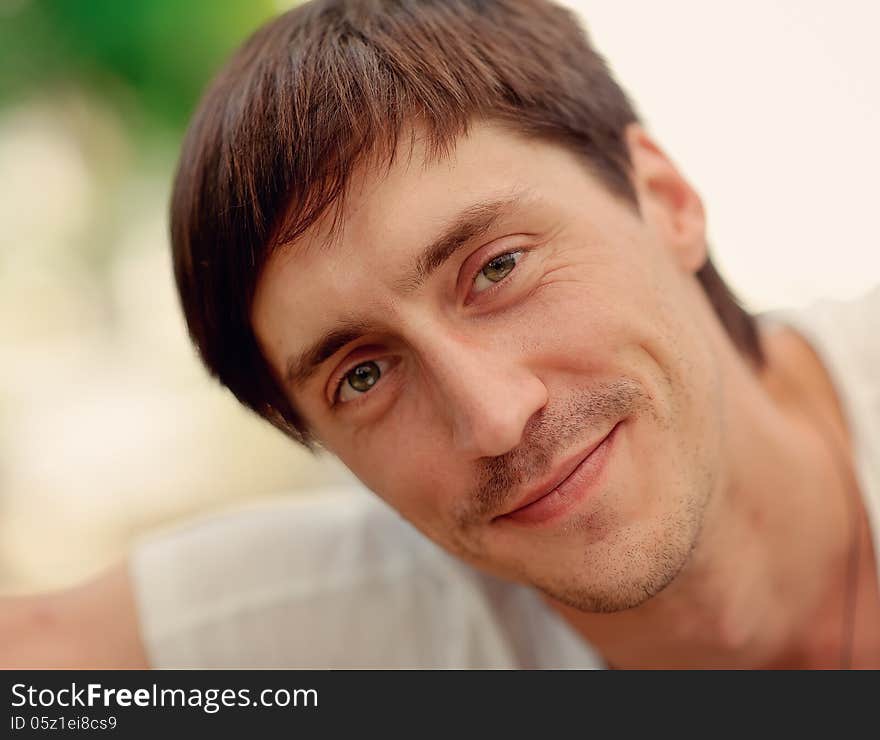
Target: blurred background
109, 427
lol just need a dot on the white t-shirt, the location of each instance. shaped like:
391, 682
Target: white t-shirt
338, 580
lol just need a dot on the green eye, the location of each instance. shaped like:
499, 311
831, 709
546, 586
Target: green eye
496, 269
364, 376
360, 379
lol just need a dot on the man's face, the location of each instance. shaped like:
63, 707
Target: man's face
547, 315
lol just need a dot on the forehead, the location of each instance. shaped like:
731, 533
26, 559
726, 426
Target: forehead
392, 210
388, 216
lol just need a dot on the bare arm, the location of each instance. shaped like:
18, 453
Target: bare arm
92, 625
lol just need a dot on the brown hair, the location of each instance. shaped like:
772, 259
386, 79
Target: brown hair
321, 87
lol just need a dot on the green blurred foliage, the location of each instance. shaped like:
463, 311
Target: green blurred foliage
150, 58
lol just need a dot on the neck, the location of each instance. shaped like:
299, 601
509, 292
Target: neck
767, 582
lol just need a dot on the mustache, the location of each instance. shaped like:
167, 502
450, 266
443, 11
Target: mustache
549, 435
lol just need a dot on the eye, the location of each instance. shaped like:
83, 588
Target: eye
360, 379
496, 269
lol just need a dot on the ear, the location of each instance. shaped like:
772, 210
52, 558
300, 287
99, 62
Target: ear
669, 204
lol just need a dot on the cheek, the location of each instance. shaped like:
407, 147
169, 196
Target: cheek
408, 465
583, 326
627, 309
634, 317
599, 298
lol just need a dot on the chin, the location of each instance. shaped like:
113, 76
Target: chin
618, 596
623, 570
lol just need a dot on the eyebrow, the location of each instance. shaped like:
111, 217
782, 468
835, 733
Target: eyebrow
469, 224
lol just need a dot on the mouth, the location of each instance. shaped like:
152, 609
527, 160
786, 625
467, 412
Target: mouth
571, 482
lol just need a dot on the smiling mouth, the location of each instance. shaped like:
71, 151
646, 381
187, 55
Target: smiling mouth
573, 480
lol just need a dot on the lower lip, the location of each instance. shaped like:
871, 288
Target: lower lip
585, 478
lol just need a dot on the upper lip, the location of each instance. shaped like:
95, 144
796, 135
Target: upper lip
557, 477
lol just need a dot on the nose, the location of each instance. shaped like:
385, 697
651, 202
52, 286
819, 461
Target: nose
487, 392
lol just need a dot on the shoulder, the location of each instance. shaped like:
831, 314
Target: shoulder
845, 334
851, 327
333, 579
